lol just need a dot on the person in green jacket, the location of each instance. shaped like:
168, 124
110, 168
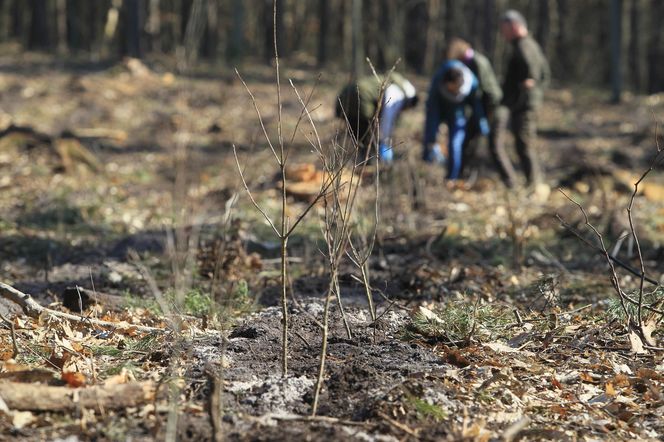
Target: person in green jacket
491, 95
526, 77
371, 106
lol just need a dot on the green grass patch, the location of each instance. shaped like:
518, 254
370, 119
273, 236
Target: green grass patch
425, 410
458, 321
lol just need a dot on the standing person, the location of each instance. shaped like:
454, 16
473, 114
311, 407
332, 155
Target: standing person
526, 78
491, 94
455, 100
372, 106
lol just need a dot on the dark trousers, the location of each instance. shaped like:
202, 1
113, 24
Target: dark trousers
523, 125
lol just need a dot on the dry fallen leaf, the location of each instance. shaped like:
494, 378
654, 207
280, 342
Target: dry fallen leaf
636, 343
74, 379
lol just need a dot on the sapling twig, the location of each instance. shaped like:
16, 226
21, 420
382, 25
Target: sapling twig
285, 229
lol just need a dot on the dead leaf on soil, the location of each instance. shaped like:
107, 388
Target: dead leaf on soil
74, 379
636, 343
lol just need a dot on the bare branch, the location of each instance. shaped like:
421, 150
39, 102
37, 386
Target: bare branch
251, 196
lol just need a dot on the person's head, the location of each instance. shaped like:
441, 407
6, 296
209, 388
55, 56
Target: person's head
452, 81
459, 49
513, 25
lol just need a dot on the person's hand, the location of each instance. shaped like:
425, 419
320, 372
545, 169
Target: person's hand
385, 153
529, 83
484, 126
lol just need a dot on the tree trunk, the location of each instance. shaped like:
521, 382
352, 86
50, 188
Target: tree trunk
236, 40
133, 28
563, 48
5, 19
154, 25
194, 31
323, 13
39, 35
358, 40
417, 38
655, 70
543, 25
431, 57
489, 30
211, 40
451, 18
616, 50
110, 28
634, 59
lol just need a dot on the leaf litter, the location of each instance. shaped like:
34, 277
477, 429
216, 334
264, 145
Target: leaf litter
501, 327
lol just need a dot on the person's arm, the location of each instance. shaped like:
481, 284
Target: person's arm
535, 63
488, 81
393, 102
431, 151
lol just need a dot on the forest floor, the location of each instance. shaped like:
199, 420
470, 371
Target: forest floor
494, 321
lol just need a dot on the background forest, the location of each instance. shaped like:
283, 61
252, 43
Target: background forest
578, 37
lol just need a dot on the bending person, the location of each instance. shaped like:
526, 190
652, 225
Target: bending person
454, 100
372, 105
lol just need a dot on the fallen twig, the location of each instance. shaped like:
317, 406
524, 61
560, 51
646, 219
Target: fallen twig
324, 419
34, 310
38, 397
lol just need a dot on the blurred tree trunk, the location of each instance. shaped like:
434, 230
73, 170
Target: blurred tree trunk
298, 24
371, 13
431, 56
133, 28
563, 48
211, 42
38, 37
323, 17
61, 26
616, 50
451, 20
236, 41
20, 22
5, 19
110, 27
194, 31
391, 28
489, 30
358, 40
634, 58
543, 25
655, 69
154, 25
417, 33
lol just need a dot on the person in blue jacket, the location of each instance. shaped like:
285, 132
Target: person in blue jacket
455, 100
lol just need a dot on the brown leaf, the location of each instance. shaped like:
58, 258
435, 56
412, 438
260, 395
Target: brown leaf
74, 379
59, 359
556, 384
621, 380
586, 377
